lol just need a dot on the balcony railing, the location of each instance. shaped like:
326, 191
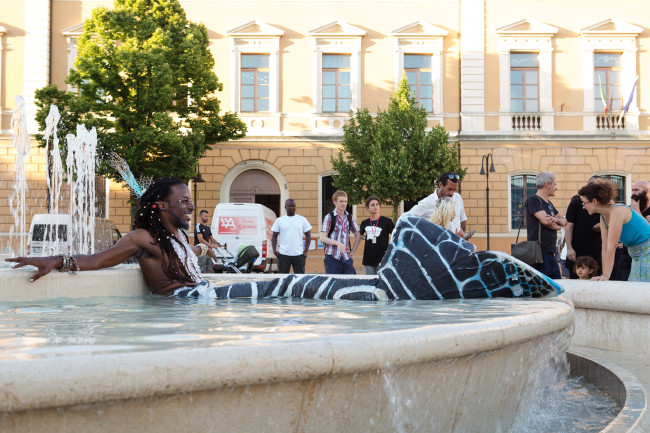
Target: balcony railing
526, 122
609, 123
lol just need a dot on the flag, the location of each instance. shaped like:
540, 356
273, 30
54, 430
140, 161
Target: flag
629, 102
602, 96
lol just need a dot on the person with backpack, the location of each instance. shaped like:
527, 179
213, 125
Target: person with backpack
335, 234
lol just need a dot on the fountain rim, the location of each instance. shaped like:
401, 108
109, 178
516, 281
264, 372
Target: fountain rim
37, 383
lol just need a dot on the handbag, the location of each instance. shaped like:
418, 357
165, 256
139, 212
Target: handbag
529, 252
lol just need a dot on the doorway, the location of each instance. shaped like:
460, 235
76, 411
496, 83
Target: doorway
256, 186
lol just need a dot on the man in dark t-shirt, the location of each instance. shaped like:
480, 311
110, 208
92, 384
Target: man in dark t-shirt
540, 213
376, 231
203, 235
582, 234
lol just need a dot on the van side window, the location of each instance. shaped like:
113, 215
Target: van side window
42, 233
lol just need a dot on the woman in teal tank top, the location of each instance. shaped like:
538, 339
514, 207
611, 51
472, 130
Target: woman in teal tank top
619, 223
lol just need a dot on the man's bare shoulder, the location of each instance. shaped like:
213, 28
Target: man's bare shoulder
140, 237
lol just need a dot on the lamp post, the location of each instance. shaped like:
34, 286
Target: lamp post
196, 179
487, 167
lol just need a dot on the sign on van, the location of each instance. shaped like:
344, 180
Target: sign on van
232, 225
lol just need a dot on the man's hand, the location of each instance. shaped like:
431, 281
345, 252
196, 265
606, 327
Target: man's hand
43, 264
635, 206
571, 254
600, 278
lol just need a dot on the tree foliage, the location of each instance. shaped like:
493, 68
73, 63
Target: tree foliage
144, 78
393, 156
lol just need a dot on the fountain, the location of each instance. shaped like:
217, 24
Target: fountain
96, 352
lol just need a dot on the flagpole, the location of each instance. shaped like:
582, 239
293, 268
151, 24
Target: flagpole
629, 102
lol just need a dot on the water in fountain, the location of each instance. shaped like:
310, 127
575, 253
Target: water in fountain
80, 174
81, 162
17, 199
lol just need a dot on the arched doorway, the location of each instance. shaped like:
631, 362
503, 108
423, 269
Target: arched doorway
256, 186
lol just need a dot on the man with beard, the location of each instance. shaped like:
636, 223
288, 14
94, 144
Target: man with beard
582, 233
157, 241
447, 186
640, 202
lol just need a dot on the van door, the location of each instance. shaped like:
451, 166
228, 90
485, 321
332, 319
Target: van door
241, 224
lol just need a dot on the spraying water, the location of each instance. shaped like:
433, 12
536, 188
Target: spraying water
81, 162
18, 197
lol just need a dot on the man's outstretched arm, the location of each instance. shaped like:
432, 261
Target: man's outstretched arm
126, 247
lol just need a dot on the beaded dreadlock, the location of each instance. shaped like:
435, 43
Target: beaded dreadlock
148, 218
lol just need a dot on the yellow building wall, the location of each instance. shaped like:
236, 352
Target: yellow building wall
301, 160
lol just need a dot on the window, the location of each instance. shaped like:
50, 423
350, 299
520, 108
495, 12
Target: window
619, 181
610, 50
522, 186
255, 72
525, 76
337, 97
524, 82
417, 68
607, 73
336, 79
254, 82
419, 55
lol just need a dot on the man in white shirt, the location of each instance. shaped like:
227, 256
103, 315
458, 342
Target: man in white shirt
447, 187
287, 242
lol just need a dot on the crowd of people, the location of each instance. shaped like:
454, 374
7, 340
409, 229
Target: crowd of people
604, 240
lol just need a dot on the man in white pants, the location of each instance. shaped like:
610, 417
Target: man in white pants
287, 240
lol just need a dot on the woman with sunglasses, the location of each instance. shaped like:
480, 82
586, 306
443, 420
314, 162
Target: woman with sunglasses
619, 223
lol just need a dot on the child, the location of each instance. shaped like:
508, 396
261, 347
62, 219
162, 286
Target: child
444, 212
585, 267
375, 231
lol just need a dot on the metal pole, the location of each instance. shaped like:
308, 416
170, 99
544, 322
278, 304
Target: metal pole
487, 203
487, 166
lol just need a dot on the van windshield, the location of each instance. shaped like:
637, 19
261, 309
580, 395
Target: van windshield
45, 232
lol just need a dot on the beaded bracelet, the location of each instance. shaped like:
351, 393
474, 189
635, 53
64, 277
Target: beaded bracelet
66, 264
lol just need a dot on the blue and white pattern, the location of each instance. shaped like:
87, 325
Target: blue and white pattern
423, 261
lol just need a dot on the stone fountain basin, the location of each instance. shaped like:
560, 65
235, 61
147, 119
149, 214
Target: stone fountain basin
449, 377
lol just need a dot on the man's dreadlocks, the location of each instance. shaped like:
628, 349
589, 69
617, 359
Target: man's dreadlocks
148, 218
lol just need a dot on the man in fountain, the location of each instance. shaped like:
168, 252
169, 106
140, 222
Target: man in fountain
157, 242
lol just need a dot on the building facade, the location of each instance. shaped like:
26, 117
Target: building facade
520, 80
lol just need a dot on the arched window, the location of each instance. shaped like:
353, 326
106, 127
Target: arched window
522, 186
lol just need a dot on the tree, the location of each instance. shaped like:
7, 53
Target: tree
393, 156
144, 78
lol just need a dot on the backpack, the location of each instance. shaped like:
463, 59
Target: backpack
333, 220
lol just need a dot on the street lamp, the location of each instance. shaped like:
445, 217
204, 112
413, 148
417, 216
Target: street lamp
485, 161
196, 179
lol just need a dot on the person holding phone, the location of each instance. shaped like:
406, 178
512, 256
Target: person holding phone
447, 186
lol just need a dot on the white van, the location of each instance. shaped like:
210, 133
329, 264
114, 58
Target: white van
241, 224
42, 233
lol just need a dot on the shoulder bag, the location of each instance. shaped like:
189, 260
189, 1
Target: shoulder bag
529, 252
